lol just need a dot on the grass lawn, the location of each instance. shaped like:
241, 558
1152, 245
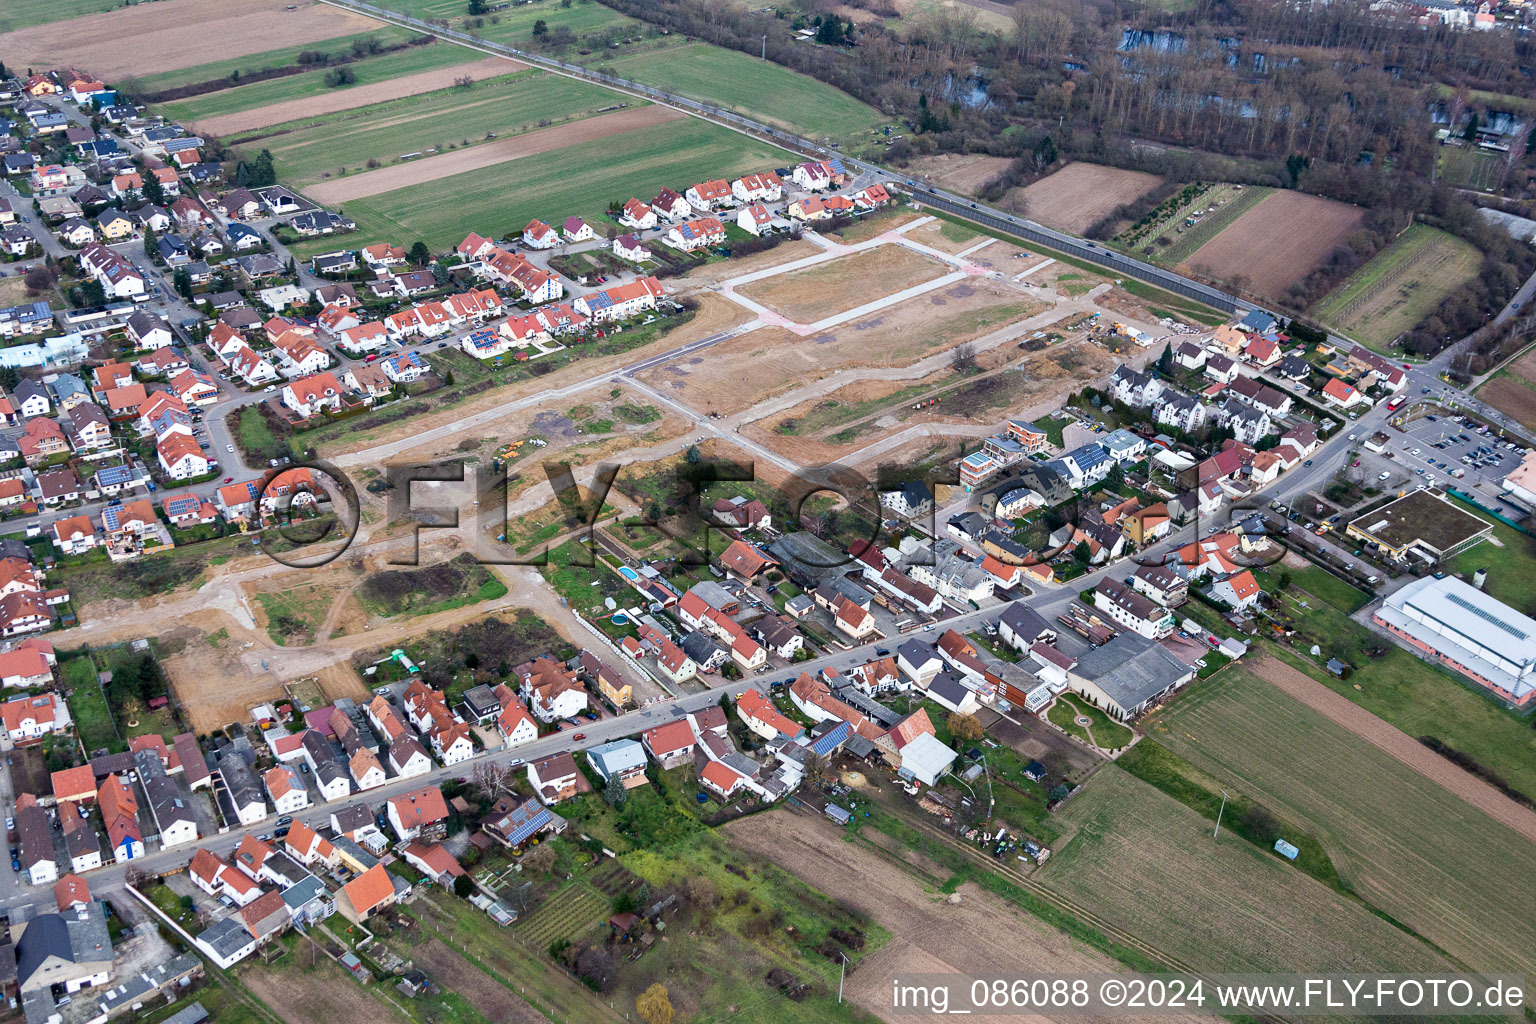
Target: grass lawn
312, 83
1316, 581
581, 180
1373, 814
309, 150
389, 35
759, 89
293, 615
1399, 286
19, 14
1053, 426
1105, 731
88, 706
1511, 564
1227, 906
257, 442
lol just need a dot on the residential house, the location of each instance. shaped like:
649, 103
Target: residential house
418, 814
555, 778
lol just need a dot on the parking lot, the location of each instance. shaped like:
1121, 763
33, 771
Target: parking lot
1433, 448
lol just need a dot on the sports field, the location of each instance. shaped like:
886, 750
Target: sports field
757, 88
1405, 844
1400, 286
310, 149
581, 179
1148, 864
374, 70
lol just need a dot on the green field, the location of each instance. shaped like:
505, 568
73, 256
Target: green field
589, 21
309, 150
1148, 864
88, 706
1185, 245
1418, 698
18, 14
1400, 286
759, 89
312, 83
580, 180
1511, 564
1317, 582
251, 63
1410, 848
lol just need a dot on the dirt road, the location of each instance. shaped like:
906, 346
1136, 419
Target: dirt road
345, 99
1399, 744
387, 179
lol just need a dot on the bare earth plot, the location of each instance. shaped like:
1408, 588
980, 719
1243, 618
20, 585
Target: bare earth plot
947, 236
981, 935
1372, 804
387, 179
1148, 864
1513, 389
809, 295
346, 99
958, 172
741, 372
150, 38
1271, 259
1080, 195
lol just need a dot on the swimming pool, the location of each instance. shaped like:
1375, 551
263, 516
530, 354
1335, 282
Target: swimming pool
628, 573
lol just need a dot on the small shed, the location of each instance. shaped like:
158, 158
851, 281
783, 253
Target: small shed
1336, 667
838, 814
1286, 850
1034, 771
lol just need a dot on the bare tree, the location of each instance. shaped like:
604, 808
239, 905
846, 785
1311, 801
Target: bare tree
492, 779
1518, 140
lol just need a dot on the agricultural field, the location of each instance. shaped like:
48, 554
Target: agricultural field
341, 143
1229, 906
19, 14
493, 153
167, 35
1400, 286
1373, 814
1418, 698
1081, 194
283, 99
593, 25
254, 63
580, 179
1512, 390
759, 89
1270, 260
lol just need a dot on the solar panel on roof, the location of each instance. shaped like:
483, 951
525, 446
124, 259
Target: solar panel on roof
1487, 616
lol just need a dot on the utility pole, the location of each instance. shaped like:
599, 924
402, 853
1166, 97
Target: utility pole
842, 972
1219, 813
765, 46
